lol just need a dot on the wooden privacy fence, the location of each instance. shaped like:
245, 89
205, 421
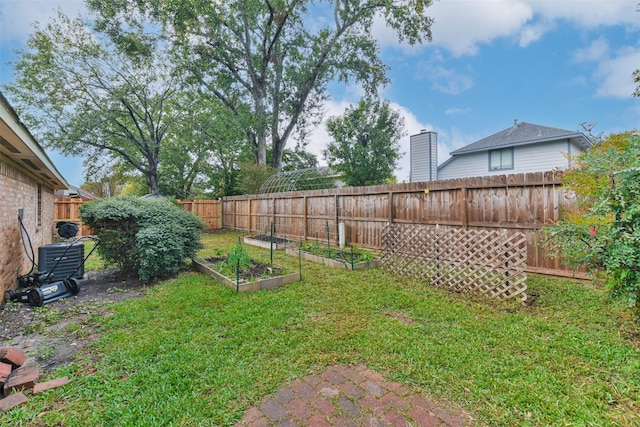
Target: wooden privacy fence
488, 262
69, 210
208, 210
522, 202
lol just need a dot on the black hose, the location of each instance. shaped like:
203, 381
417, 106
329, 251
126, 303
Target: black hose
32, 258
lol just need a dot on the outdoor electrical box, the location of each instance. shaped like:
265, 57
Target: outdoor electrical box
62, 260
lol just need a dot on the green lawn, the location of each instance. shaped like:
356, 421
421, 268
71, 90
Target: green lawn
193, 352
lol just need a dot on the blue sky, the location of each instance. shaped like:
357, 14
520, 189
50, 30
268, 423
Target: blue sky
554, 63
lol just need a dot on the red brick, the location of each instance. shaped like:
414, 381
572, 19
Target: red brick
342, 422
374, 376
349, 407
374, 388
5, 371
304, 390
396, 420
323, 406
351, 390
370, 420
260, 422
317, 421
12, 356
398, 389
423, 418
394, 400
48, 385
251, 415
284, 395
24, 377
353, 375
446, 417
273, 410
298, 408
12, 401
312, 379
333, 375
423, 403
372, 403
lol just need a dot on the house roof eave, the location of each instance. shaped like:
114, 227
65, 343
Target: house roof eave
26, 148
579, 138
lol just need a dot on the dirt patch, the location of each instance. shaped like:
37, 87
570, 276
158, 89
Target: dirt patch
256, 269
51, 335
270, 239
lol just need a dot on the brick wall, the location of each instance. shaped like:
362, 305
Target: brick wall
18, 190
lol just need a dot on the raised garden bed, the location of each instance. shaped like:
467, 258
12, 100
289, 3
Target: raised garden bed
263, 241
260, 276
338, 258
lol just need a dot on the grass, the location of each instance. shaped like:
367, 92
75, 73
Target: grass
94, 262
193, 352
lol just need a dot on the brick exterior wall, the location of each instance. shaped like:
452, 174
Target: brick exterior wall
18, 190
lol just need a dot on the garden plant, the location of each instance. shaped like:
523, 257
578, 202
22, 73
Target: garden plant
604, 233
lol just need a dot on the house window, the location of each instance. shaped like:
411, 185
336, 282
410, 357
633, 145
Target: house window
501, 159
39, 205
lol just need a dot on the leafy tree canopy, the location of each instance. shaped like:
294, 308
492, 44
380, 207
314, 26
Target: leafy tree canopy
366, 146
124, 104
270, 61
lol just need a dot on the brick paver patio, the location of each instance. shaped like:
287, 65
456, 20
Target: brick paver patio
347, 396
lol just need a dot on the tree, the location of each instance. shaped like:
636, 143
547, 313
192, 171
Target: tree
203, 158
604, 232
297, 159
274, 56
84, 95
366, 142
252, 176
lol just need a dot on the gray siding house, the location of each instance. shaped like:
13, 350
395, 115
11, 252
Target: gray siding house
522, 148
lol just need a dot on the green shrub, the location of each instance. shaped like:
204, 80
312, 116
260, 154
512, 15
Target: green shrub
150, 237
604, 233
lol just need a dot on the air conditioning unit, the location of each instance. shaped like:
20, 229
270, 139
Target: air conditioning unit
62, 260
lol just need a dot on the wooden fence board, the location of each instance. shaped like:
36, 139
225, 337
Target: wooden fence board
68, 209
524, 203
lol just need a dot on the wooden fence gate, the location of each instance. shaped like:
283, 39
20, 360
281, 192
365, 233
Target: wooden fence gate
489, 262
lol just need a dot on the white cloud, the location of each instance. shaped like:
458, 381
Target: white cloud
533, 33
461, 26
588, 14
18, 16
596, 51
615, 75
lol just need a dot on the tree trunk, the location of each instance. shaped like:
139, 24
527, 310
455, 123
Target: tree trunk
152, 180
276, 153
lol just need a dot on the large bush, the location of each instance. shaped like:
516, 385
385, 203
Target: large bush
604, 233
152, 237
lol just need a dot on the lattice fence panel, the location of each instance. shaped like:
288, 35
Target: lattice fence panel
489, 262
